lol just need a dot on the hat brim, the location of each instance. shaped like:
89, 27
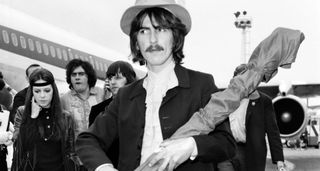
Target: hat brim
175, 9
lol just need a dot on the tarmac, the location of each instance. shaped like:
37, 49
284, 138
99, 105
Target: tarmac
300, 159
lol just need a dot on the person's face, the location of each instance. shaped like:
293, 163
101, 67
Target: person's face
42, 94
155, 44
79, 80
117, 81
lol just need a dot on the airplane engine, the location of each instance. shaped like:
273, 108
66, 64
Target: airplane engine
291, 116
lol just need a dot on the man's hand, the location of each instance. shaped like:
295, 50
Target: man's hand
173, 153
280, 166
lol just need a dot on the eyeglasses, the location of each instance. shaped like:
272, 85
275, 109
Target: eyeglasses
74, 74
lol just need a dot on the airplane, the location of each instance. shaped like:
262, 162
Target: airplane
25, 40
296, 107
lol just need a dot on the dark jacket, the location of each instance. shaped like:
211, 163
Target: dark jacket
113, 151
18, 101
261, 120
97, 109
5, 98
125, 118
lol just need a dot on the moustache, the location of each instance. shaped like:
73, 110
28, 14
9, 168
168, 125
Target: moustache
154, 48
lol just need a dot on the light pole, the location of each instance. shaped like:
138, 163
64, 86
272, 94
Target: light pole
244, 23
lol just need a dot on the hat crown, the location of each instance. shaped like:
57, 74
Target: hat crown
176, 7
157, 2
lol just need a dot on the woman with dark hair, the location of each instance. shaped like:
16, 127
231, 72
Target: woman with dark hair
43, 131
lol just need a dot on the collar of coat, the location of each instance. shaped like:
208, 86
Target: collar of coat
182, 75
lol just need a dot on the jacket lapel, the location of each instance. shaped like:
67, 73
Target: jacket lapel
249, 112
138, 96
183, 81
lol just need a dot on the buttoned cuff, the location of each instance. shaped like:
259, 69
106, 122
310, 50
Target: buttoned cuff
194, 153
103, 166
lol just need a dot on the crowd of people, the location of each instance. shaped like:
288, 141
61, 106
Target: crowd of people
127, 124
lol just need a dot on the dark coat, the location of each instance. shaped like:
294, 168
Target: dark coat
18, 100
261, 120
113, 151
97, 109
125, 118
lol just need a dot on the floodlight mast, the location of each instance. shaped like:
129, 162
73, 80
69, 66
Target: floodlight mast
244, 23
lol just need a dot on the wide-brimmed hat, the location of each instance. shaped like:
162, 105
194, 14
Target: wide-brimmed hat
171, 5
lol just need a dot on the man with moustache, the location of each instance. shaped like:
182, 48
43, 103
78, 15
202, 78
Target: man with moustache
150, 110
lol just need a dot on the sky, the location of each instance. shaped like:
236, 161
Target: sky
213, 44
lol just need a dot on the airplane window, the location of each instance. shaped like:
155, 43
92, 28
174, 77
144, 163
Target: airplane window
92, 62
86, 58
82, 58
105, 66
38, 47
23, 42
65, 55
52, 51
59, 53
101, 66
5, 36
76, 56
70, 54
45, 49
14, 39
97, 65
31, 45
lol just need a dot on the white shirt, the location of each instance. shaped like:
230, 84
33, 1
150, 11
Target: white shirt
238, 121
156, 85
238, 118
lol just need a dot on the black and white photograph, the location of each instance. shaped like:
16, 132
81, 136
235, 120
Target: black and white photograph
159, 85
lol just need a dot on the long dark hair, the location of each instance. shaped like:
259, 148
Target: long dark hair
165, 19
32, 130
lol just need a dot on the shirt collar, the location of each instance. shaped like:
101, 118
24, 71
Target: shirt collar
92, 91
161, 77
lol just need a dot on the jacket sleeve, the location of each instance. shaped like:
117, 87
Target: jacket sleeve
219, 144
263, 63
17, 122
18, 101
92, 144
273, 133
